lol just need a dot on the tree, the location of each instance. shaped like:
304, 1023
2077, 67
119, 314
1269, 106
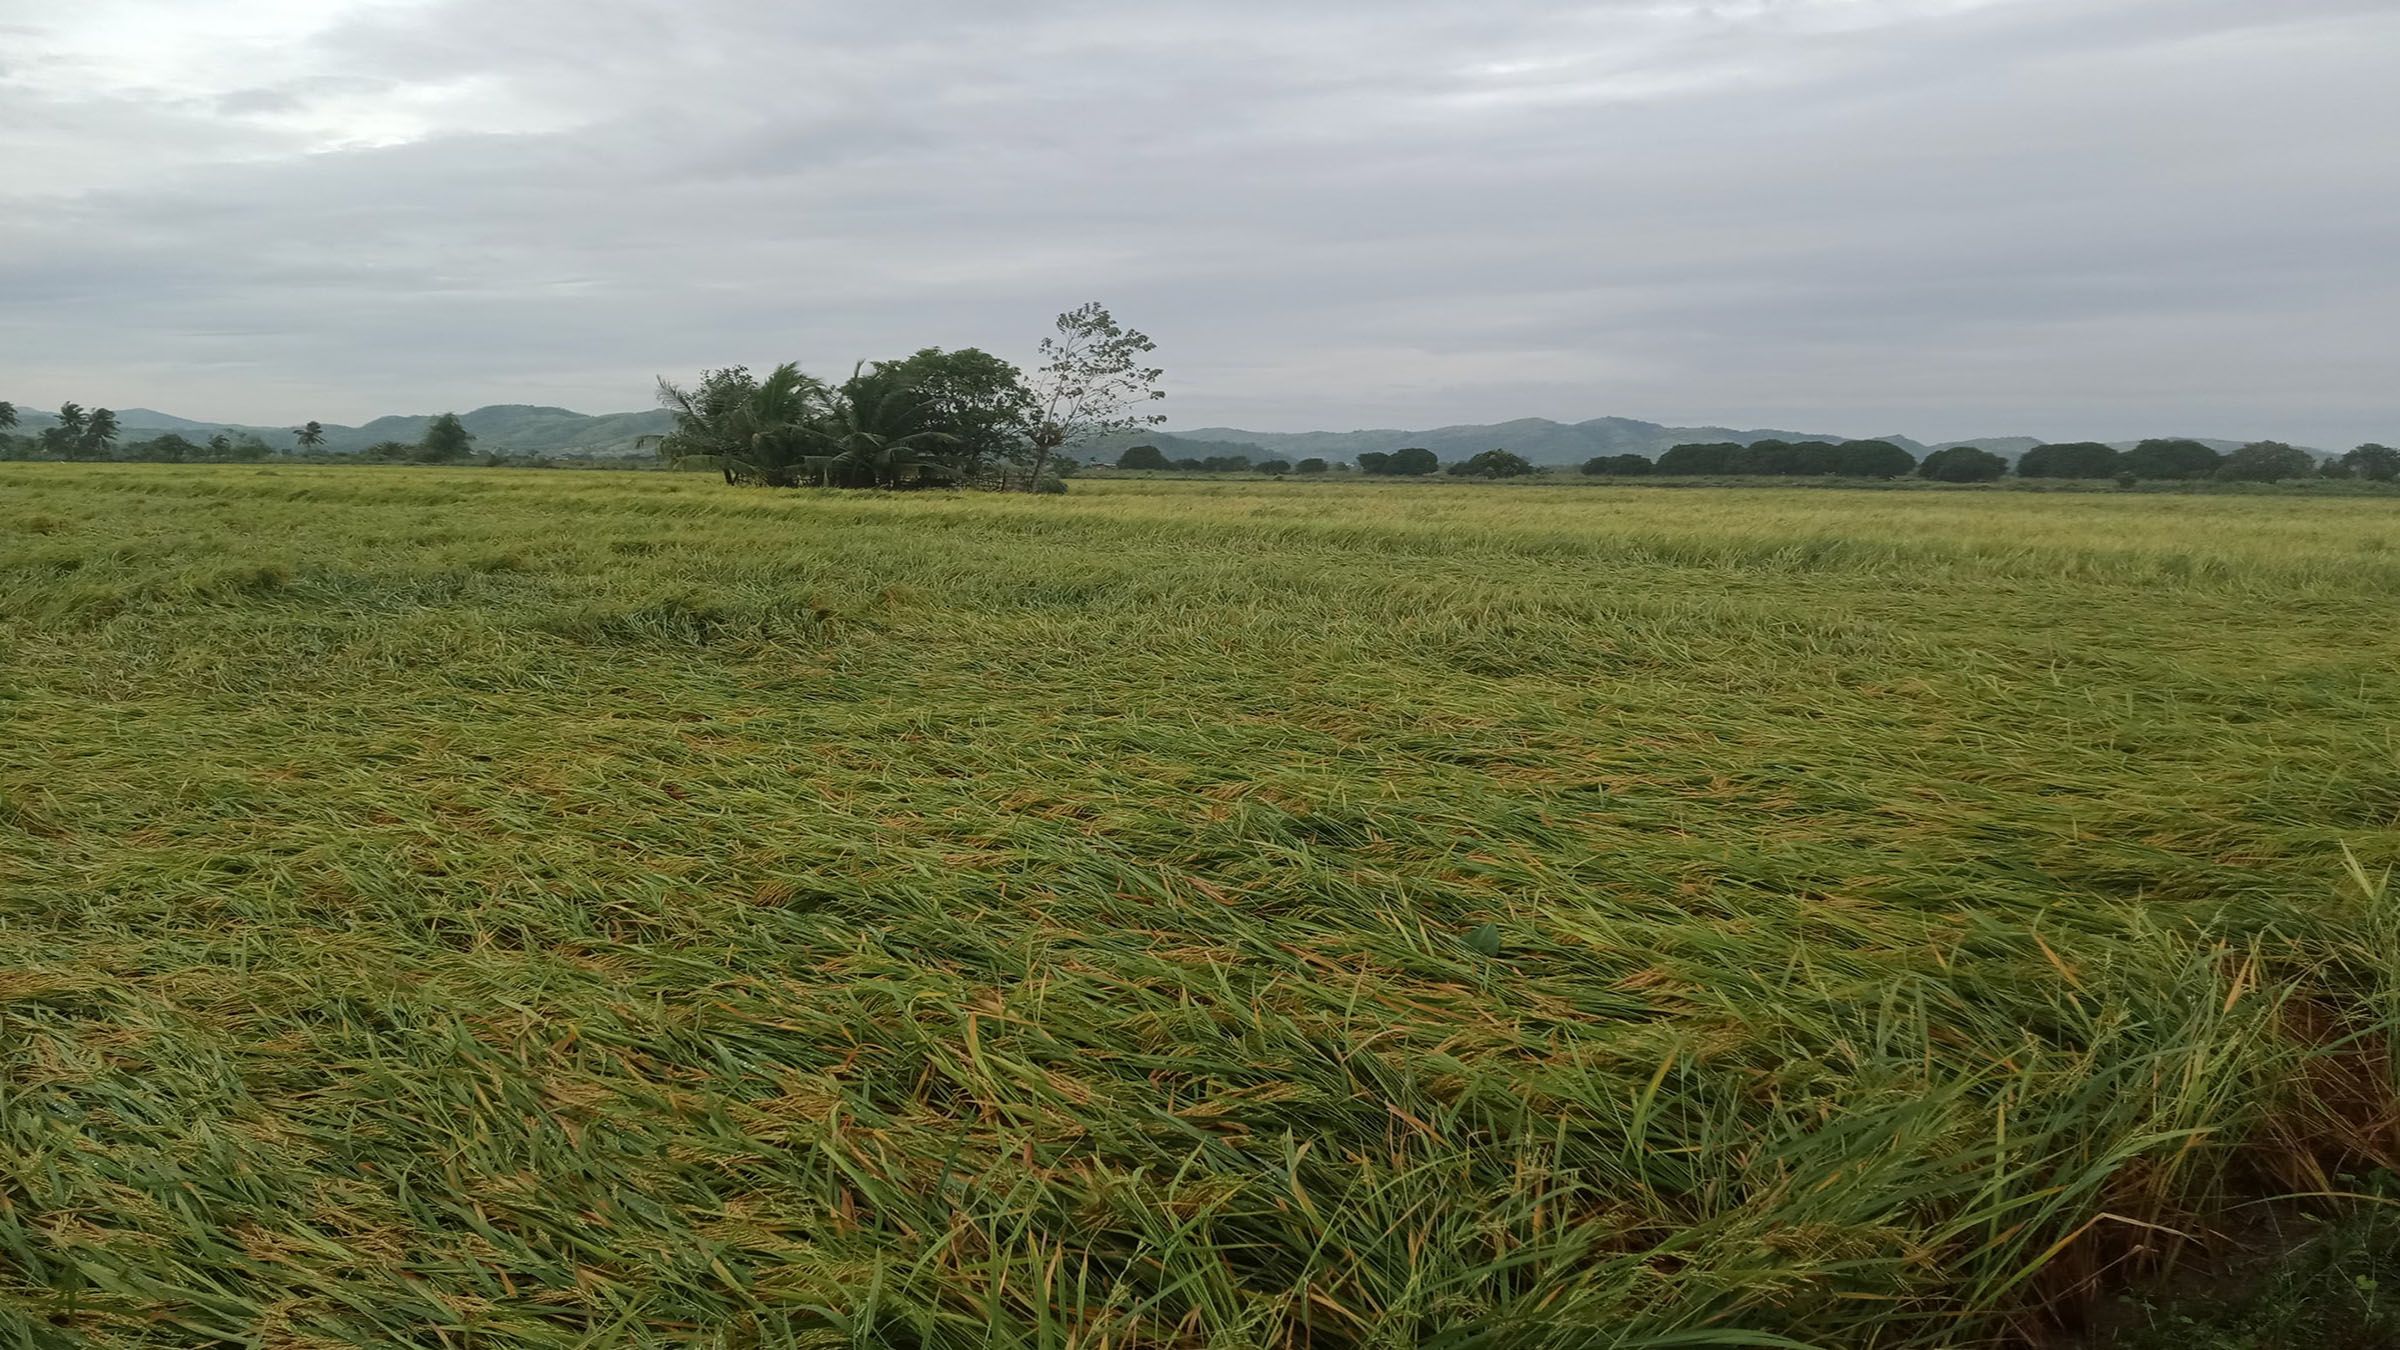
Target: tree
1311, 465
1189, 464
66, 439
381, 452
2069, 459
748, 429
873, 432
1764, 457
1962, 464
249, 447
1090, 384
8, 414
310, 436
1142, 457
1274, 468
1413, 462
1374, 461
446, 441
1699, 459
1816, 459
2170, 457
167, 449
971, 405
1493, 464
99, 433
2266, 462
1872, 459
2376, 463
1617, 466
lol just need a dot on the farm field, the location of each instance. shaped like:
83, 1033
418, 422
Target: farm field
480, 909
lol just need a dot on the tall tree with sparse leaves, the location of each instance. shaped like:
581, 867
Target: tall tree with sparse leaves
1091, 383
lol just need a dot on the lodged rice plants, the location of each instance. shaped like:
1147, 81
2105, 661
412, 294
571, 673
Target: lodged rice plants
506, 910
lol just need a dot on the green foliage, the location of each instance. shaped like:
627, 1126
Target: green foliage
2170, 458
310, 436
1375, 461
2266, 462
521, 911
1274, 468
1492, 464
967, 408
1963, 464
167, 449
1872, 459
748, 429
1617, 466
446, 441
1413, 462
2069, 459
1091, 383
1699, 459
1776, 458
1143, 457
8, 414
1311, 465
2377, 463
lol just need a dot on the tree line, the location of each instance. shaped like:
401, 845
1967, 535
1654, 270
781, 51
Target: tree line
2161, 459
2170, 459
82, 433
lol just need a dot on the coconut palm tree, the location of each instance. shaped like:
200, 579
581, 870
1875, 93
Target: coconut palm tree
309, 437
100, 433
872, 433
748, 428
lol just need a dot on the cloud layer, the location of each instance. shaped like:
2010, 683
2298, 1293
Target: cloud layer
2065, 218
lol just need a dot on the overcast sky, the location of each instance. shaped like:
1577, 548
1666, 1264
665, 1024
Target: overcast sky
2061, 218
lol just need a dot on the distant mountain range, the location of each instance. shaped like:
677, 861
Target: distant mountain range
523, 428
530, 429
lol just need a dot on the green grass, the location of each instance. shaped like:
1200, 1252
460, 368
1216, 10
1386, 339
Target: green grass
503, 910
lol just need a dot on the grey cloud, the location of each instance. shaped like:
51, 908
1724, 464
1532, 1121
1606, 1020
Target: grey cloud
2062, 217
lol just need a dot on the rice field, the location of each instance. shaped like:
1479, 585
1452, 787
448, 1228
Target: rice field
477, 909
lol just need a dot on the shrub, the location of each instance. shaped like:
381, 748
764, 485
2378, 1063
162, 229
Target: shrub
1962, 464
1710, 458
1617, 466
1311, 465
1274, 468
1142, 457
1493, 464
2376, 463
1872, 459
2170, 458
1374, 461
2266, 462
1414, 461
2072, 459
